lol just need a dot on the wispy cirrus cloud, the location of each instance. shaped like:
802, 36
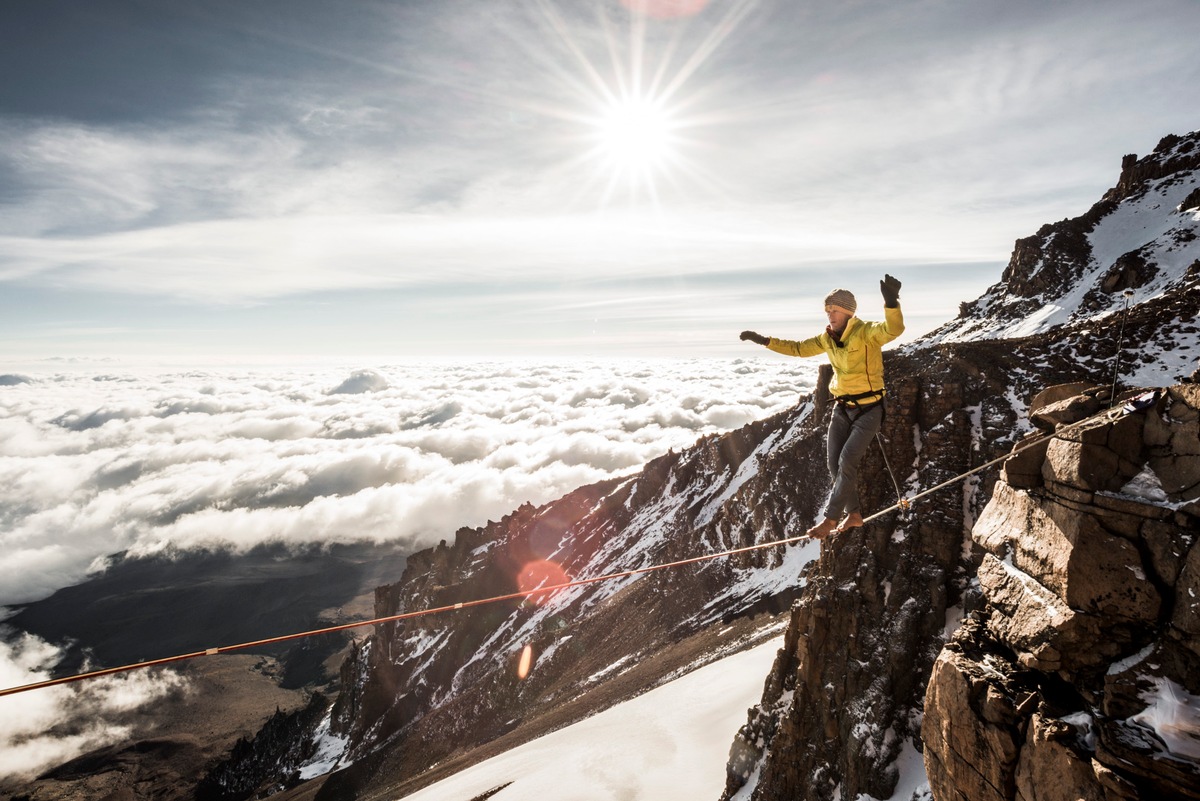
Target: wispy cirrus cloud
428, 149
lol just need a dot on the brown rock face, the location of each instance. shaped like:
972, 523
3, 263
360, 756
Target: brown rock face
1100, 456
1078, 676
1023, 470
1186, 617
843, 699
1044, 632
1070, 553
1051, 768
1065, 403
971, 745
1173, 440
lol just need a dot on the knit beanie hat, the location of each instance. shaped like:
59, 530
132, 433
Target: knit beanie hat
842, 299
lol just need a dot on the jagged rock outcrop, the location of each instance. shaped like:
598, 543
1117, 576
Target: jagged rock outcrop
1122, 276
256, 768
1178, 156
1078, 674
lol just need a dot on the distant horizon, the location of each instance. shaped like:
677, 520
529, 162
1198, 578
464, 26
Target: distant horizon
928, 301
293, 180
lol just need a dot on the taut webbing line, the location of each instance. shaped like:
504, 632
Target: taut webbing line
901, 504
904, 502
393, 618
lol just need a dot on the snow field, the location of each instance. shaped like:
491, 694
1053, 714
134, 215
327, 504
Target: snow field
670, 744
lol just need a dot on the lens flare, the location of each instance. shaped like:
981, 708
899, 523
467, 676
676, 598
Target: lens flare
665, 9
526, 663
541, 573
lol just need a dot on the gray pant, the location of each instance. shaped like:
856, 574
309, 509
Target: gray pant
850, 433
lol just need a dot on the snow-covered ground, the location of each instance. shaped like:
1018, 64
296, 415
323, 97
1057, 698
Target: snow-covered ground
670, 744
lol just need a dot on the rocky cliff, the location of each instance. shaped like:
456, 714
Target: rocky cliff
870, 612
1078, 674
1133, 248
843, 708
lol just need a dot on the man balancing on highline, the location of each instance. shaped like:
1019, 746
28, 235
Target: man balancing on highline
855, 349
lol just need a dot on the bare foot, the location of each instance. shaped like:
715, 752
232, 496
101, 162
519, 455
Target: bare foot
853, 520
823, 529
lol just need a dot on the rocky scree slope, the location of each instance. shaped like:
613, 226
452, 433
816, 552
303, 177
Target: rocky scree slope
869, 610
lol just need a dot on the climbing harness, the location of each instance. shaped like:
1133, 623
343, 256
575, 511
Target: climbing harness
1137, 404
855, 400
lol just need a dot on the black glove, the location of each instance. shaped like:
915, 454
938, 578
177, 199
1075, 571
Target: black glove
890, 288
753, 337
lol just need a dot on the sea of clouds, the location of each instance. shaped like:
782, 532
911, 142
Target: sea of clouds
94, 463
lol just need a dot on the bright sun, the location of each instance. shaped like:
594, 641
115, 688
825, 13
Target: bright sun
635, 135
634, 106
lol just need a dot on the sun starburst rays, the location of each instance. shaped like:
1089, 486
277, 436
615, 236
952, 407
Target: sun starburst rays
627, 99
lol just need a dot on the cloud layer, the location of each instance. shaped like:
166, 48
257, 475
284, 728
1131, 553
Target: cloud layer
93, 464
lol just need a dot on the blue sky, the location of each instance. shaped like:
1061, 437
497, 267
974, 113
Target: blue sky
293, 179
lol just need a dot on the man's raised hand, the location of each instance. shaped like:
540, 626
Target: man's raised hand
890, 289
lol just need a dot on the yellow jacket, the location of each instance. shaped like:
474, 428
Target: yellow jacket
858, 360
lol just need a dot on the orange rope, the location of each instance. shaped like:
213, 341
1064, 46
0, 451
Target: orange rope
391, 618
